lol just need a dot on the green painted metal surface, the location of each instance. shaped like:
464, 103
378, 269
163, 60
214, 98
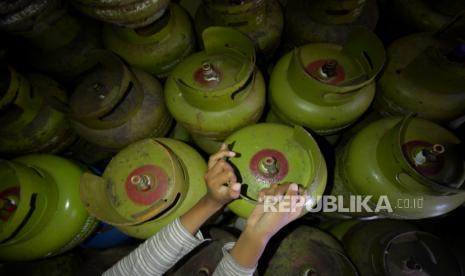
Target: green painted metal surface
326, 87
42, 214
127, 13
310, 251
146, 186
326, 21
421, 78
426, 15
294, 151
261, 21
156, 48
115, 105
409, 160
385, 247
217, 91
30, 121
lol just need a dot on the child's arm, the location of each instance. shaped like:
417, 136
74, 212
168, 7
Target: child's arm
261, 226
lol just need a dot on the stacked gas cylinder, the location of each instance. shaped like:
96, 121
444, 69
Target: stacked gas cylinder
109, 109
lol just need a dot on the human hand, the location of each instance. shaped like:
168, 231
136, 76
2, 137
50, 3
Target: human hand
287, 203
221, 179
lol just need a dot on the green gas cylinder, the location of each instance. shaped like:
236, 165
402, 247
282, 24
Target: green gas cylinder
424, 75
326, 87
156, 48
310, 251
261, 21
127, 13
146, 186
217, 91
273, 153
54, 42
426, 15
29, 120
28, 17
41, 214
396, 248
327, 20
63, 47
413, 163
115, 105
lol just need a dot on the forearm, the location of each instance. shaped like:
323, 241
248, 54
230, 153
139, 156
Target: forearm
156, 255
248, 249
199, 214
241, 258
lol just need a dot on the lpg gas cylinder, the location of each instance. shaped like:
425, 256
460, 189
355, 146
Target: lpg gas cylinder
29, 121
28, 16
326, 87
310, 251
260, 20
327, 20
273, 153
424, 75
127, 13
146, 186
41, 214
407, 168
396, 248
218, 91
204, 259
55, 43
63, 48
426, 15
156, 48
115, 105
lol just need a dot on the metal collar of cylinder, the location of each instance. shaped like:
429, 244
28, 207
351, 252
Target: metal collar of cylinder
19, 105
128, 13
431, 68
94, 101
32, 186
396, 164
335, 11
362, 46
30, 17
252, 13
155, 32
220, 43
108, 198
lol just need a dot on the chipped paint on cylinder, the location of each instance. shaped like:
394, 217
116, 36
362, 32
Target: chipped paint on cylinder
173, 174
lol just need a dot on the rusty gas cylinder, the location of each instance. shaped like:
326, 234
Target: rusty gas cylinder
116, 105
31, 119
